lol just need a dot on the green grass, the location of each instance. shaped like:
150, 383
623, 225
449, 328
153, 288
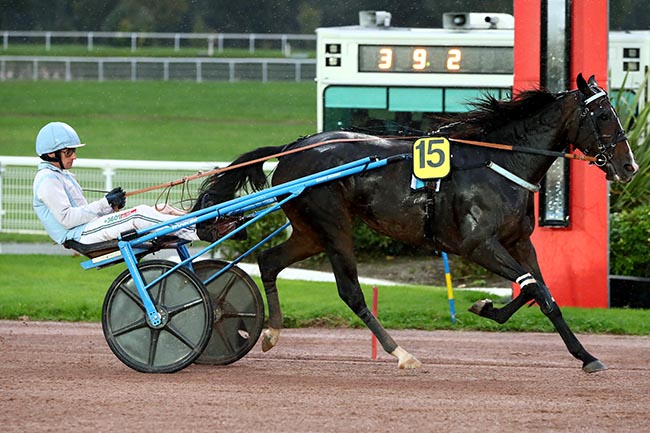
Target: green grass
183, 121
58, 289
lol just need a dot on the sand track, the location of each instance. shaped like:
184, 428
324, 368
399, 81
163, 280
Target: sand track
63, 377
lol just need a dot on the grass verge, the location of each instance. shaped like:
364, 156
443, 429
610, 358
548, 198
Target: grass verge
44, 287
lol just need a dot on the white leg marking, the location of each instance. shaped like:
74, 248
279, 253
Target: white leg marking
270, 337
525, 280
405, 359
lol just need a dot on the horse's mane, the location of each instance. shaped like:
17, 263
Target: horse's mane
489, 113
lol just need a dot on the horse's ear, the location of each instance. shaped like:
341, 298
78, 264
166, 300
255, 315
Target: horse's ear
592, 81
582, 84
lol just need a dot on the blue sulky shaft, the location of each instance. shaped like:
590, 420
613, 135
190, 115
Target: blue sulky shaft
262, 198
265, 198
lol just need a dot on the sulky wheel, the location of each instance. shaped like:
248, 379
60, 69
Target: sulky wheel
238, 312
182, 301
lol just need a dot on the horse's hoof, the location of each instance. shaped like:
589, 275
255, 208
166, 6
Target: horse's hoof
410, 363
405, 359
478, 306
270, 338
594, 366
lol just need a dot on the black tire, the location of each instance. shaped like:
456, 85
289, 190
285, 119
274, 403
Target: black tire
238, 313
184, 304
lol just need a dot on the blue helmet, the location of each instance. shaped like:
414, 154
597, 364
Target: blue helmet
56, 136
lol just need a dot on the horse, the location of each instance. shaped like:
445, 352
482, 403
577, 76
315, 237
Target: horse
477, 213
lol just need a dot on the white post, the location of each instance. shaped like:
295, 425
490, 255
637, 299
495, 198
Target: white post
286, 50
108, 178
48, 37
90, 41
2, 212
211, 46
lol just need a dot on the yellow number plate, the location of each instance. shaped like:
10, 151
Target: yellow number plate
431, 158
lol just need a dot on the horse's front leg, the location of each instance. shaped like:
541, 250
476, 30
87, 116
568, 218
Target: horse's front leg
485, 308
523, 253
494, 257
549, 307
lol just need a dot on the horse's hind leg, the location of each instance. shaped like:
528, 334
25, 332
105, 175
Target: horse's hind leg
271, 262
350, 291
341, 255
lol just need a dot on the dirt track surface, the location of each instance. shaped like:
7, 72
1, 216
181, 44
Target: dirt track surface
63, 377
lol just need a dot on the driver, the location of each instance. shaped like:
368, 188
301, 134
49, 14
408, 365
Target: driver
64, 211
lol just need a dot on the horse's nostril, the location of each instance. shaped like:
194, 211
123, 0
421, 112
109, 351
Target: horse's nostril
630, 167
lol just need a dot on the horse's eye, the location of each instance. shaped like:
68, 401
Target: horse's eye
603, 116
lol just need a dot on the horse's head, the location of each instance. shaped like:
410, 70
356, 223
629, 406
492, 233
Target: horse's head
599, 132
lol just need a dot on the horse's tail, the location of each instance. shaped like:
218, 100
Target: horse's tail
223, 186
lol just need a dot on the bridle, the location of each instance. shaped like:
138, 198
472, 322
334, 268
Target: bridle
605, 148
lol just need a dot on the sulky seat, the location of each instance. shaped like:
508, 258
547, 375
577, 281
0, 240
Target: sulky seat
92, 250
107, 247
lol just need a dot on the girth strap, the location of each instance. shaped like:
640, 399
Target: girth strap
512, 177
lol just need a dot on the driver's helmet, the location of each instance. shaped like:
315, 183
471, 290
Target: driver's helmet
56, 136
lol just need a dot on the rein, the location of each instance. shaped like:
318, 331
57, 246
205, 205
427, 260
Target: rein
184, 180
523, 149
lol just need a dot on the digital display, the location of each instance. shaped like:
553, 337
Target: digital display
436, 59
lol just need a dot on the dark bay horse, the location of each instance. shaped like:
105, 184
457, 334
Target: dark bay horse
477, 213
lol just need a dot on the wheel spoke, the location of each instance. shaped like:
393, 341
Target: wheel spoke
162, 288
237, 315
172, 311
179, 335
142, 323
135, 297
226, 288
224, 339
153, 346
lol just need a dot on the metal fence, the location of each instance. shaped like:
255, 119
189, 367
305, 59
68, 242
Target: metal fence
17, 175
90, 39
154, 68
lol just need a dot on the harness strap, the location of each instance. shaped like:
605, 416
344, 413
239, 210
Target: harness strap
512, 177
594, 97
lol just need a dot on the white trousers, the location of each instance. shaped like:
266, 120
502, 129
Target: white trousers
110, 226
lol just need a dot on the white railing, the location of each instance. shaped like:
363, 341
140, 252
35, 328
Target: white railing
251, 39
155, 68
17, 175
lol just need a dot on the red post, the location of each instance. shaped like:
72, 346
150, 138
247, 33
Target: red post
574, 260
